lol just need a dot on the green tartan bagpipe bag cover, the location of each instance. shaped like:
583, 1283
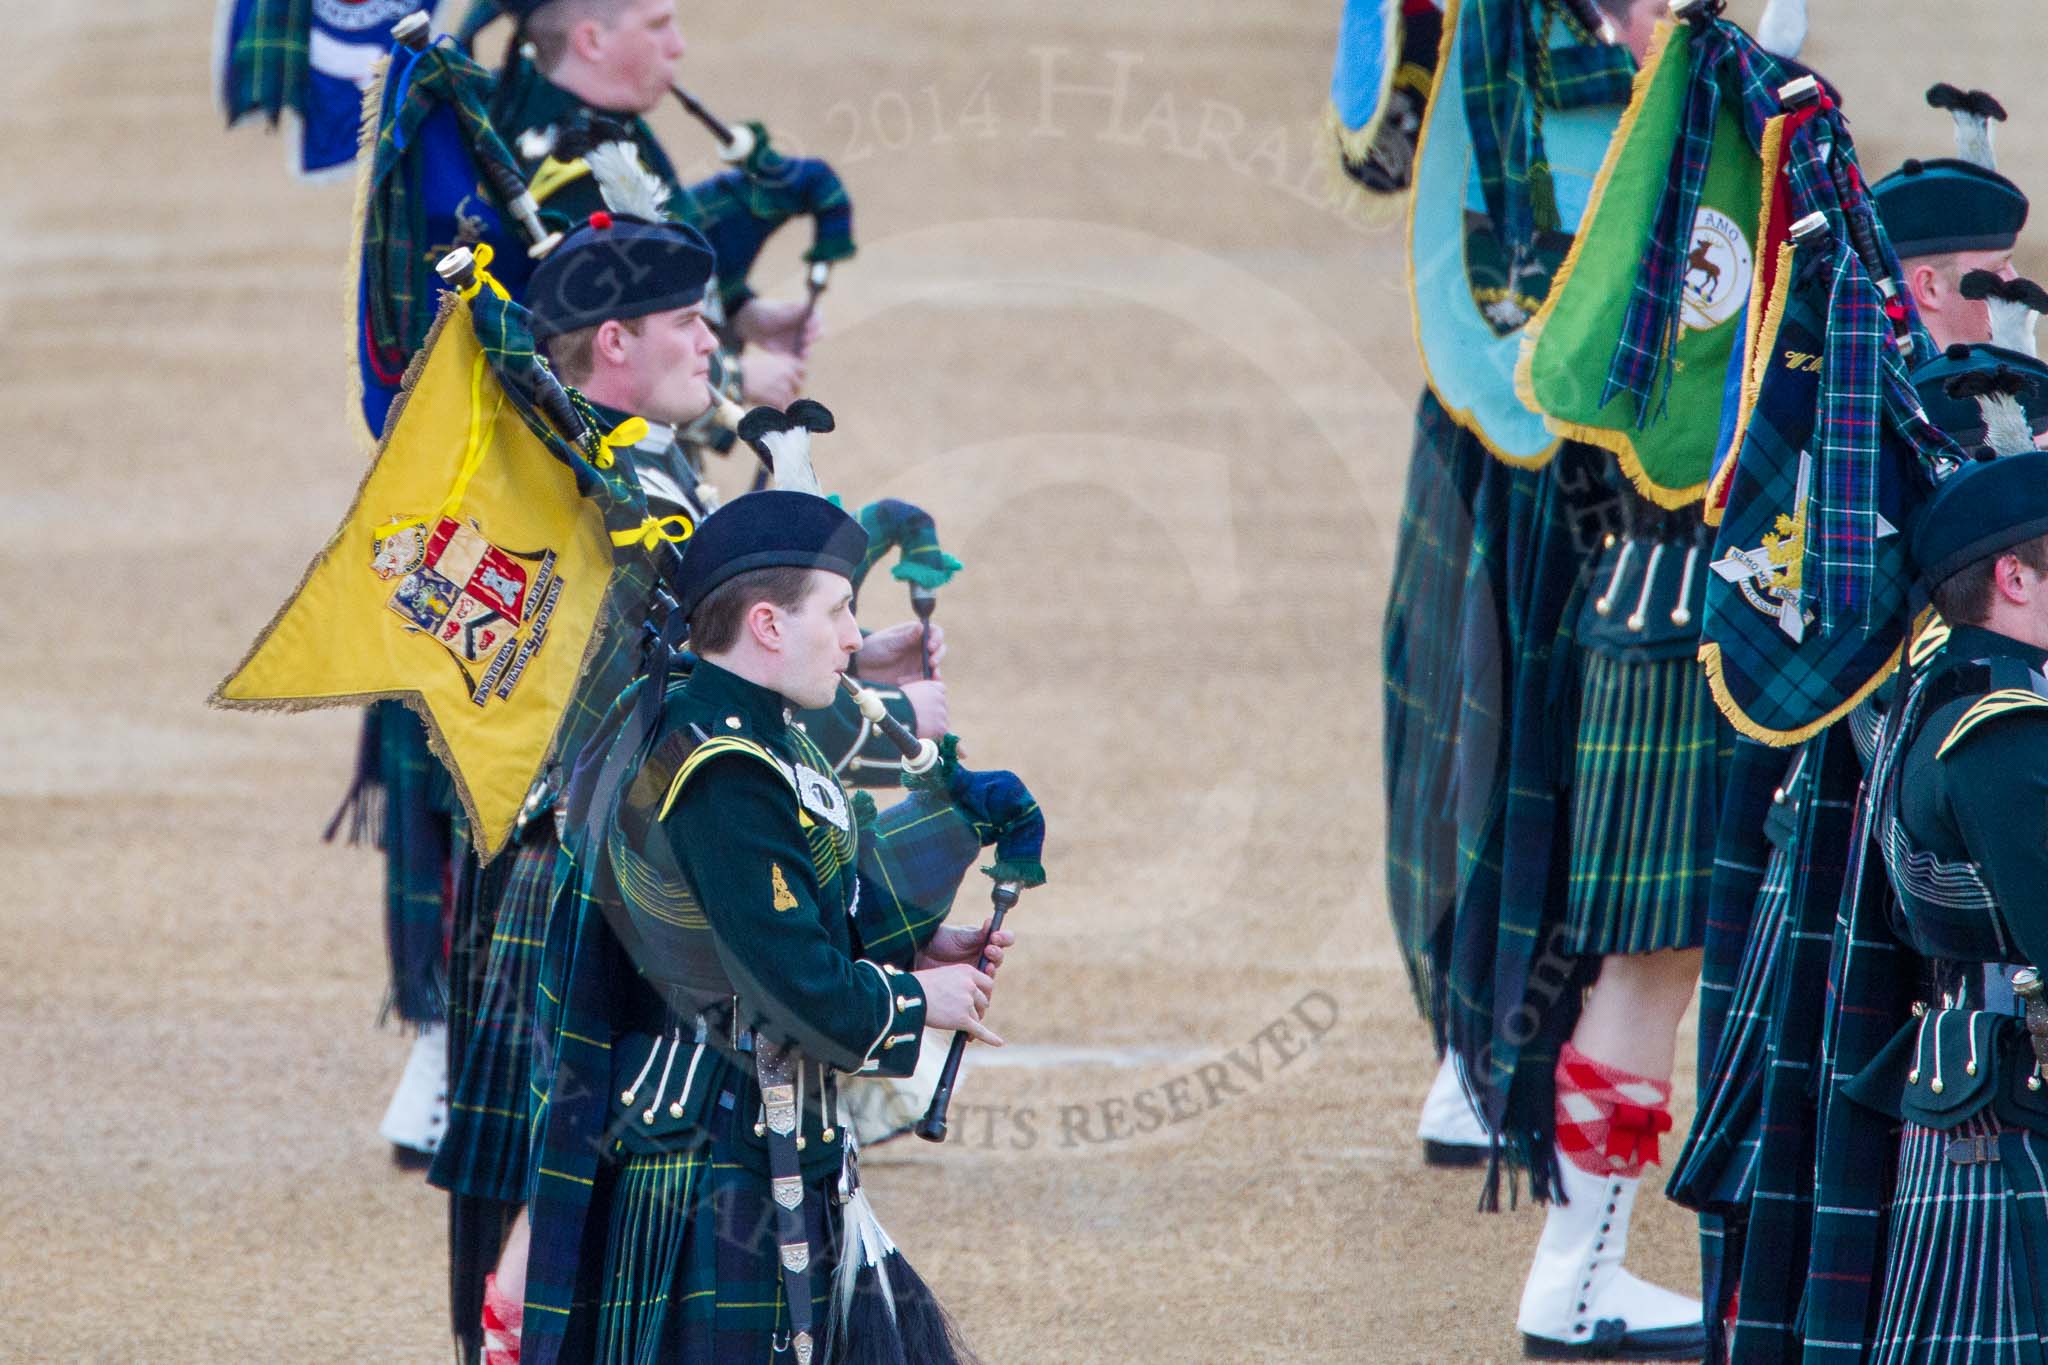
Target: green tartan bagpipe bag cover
1566, 349
1776, 678
1780, 670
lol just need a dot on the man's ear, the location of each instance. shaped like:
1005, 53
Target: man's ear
610, 341
586, 39
2007, 580
764, 623
1924, 282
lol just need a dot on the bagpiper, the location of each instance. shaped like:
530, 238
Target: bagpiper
737, 942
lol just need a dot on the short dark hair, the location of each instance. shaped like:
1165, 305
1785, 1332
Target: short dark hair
548, 27
715, 625
1964, 597
571, 353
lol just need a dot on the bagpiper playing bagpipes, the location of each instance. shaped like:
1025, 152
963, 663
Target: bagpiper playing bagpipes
1453, 648
736, 937
578, 79
579, 76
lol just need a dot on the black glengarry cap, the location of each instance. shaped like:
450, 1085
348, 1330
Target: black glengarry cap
773, 529
616, 268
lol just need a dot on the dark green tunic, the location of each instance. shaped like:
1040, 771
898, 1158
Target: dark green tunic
741, 911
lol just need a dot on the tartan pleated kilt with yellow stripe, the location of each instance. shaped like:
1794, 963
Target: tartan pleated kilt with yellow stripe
1419, 659
1966, 1268
1652, 754
485, 1153
691, 1270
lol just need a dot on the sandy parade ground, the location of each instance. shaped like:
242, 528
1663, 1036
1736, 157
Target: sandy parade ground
1156, 385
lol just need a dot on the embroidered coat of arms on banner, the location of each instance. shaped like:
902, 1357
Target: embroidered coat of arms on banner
465, 580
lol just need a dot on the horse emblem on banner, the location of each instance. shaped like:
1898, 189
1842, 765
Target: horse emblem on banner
1718, 269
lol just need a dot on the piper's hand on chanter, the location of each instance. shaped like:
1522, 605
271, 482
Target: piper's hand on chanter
771, 379
889, 656
958, 943
778, 327
955, 997
928, 707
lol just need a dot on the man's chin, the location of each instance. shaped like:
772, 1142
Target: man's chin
820, 697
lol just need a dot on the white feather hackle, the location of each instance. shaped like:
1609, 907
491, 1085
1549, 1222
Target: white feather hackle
1974, 135
1782, 29
2012, 326
789, 455
2006, 429
628, 186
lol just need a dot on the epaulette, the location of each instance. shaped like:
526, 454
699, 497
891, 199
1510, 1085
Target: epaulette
713, 748
2030, 694
1932, 637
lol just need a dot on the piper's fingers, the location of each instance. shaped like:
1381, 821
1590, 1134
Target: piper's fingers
981, 1031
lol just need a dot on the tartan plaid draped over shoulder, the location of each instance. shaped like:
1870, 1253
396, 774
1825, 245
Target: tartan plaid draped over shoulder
399, 284
265, 67
1512, 74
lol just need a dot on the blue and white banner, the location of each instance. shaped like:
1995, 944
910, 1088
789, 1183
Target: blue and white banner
314, 59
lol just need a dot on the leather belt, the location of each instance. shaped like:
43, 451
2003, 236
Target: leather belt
1974, 1151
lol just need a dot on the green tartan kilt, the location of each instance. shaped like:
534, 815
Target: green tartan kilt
1419, 659
691, 1270
1966, 1274
1652, 755
484, 1153
1718, 1167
